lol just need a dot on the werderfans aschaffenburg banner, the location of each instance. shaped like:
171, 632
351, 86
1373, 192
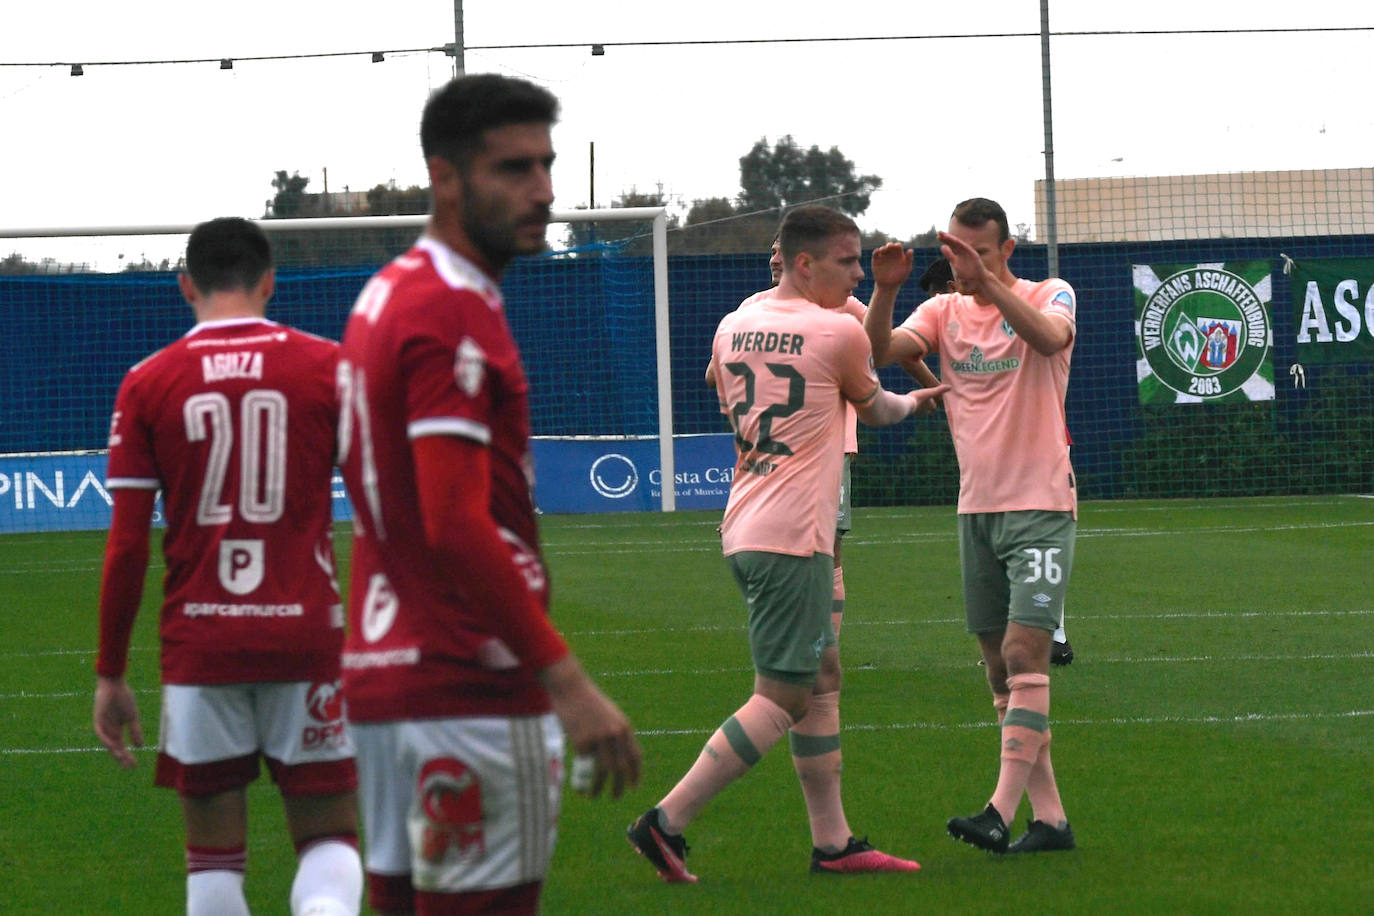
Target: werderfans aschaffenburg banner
1203, 333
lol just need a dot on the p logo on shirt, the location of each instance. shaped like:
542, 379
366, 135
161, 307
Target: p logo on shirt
240, 565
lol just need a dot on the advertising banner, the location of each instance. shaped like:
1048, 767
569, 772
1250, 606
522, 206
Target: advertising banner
1333, 310
622, 475
66, 492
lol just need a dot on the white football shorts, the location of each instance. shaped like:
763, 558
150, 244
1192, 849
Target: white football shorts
462, 804
295, 724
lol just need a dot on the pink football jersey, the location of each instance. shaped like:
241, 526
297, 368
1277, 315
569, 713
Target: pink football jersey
235, 423
1006, 402
785, 368
427, 352
858, 310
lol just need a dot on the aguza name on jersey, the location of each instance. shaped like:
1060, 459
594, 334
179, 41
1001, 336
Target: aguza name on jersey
240, 364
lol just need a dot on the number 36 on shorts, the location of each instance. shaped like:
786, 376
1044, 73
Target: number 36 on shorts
1044, 565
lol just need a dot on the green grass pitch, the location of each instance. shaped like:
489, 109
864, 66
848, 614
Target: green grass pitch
1212, 739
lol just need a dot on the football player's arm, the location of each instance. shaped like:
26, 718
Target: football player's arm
1046, 334
891, 265
919, 371
884, 408
889, 347
875, 405
454, 480
453, 477
121, 591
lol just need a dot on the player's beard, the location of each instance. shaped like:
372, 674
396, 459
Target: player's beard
498, 234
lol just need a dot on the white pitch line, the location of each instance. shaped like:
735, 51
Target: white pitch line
710, 543
859, 622
93, 565
69, 750
1236, 719
914, 669
555, 549
1094, 507
856, 622
1230, 719
43, 653
27, 695
1109, 660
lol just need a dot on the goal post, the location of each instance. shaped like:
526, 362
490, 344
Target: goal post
658, 217
96, 312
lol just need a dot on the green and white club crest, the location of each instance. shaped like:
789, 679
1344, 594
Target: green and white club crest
1203, 332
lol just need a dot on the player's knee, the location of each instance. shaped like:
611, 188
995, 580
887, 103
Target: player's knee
310, 817
1023, 655
830, 674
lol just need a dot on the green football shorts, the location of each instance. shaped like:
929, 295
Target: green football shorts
1015, 567
789, 611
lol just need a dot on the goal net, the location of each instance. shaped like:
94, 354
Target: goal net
83, 304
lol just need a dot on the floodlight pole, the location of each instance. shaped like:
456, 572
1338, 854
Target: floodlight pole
1052, 227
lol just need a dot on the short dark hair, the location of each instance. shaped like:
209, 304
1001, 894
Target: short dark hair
228, 253
976, 211
458, 113
937, 277
809, 229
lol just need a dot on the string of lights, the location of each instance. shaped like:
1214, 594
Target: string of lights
598, 49
227, 63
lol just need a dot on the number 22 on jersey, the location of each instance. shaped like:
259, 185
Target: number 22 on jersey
739, 411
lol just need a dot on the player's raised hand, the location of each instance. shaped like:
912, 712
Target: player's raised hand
971, 275
892, 264
115, 709
595, 727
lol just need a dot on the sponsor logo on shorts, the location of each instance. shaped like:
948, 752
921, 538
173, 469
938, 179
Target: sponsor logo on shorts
324, 704
451, 806
1041, 600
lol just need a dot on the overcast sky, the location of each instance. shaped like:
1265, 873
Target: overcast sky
937, 119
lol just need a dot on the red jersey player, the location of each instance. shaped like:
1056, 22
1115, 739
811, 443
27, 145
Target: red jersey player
455, 678
235, 424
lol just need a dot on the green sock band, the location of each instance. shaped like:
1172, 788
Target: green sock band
1035, 721
813, 745
739, 741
